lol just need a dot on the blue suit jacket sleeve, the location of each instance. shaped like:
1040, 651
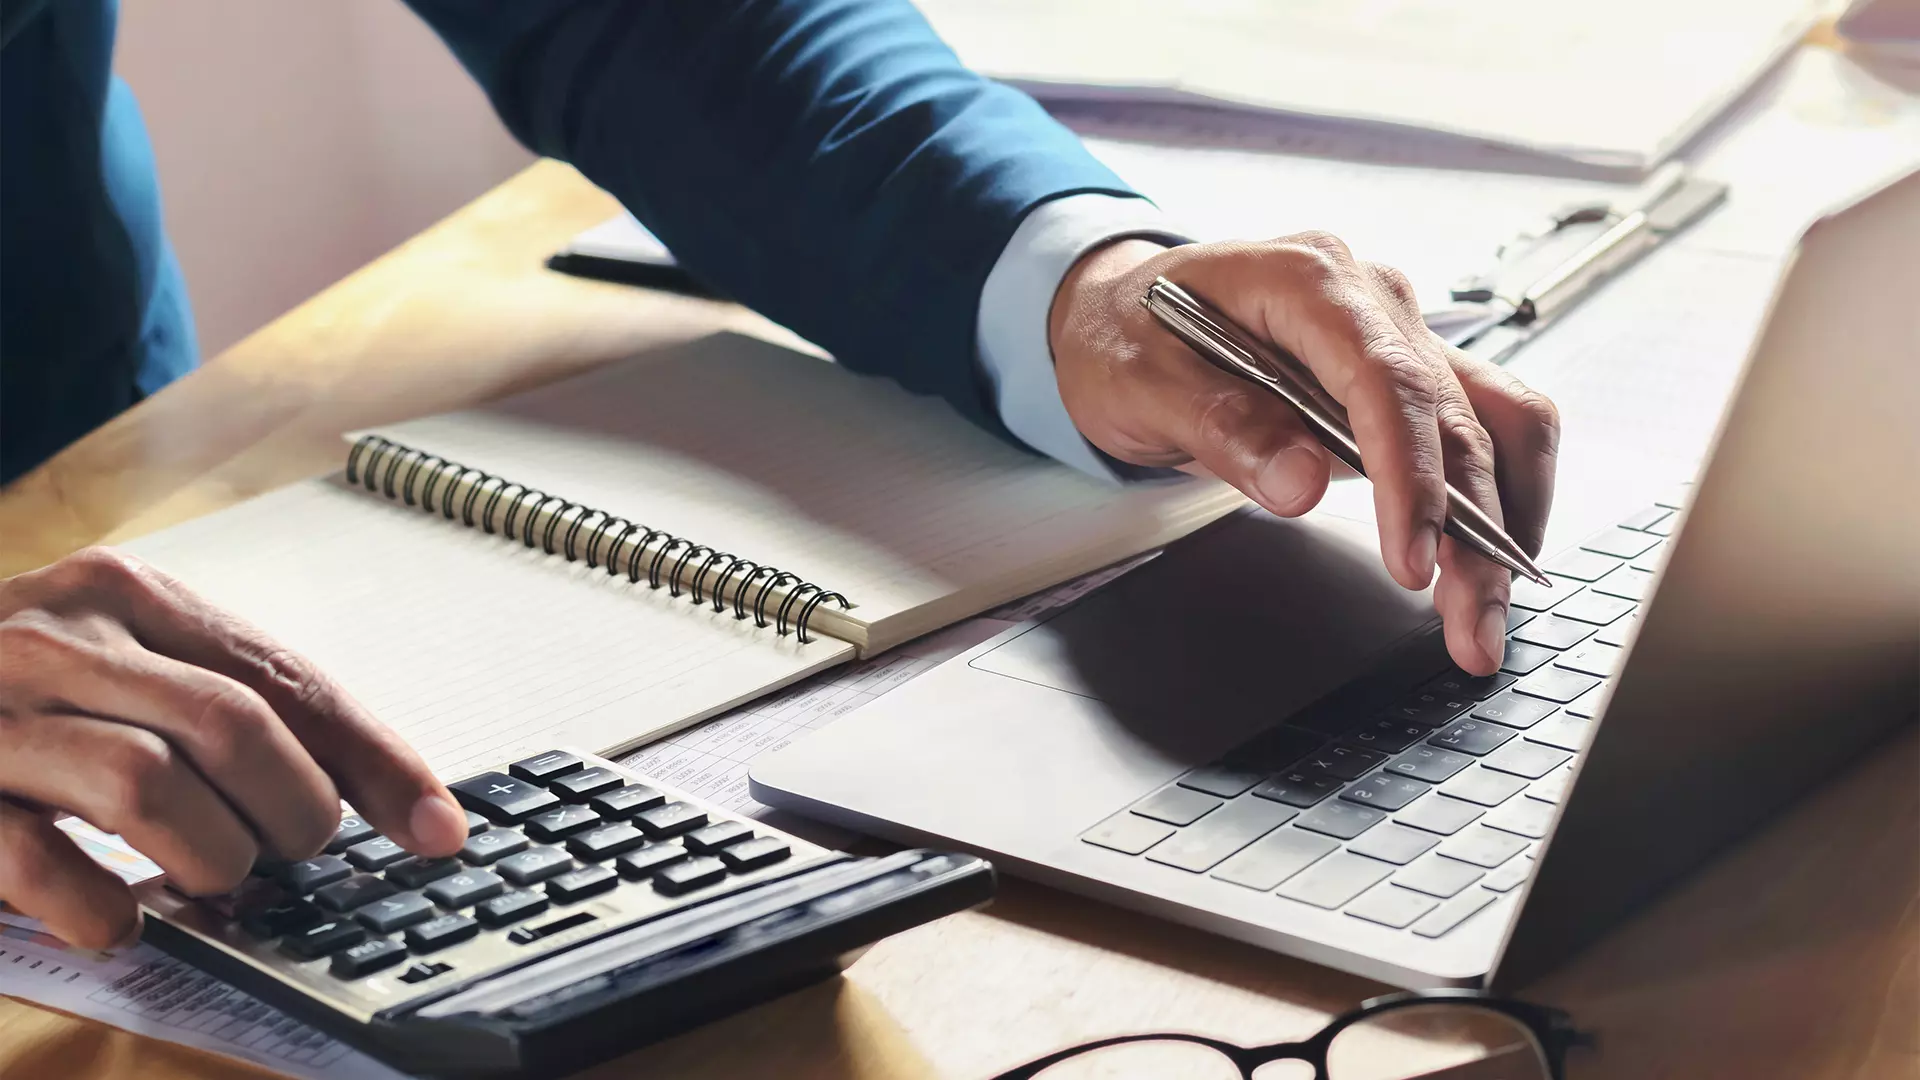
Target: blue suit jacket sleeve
830, 163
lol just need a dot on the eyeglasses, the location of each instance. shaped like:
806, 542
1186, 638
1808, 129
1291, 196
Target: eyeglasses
1433, 1034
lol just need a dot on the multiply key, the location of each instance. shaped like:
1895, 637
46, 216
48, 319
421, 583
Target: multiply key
561, 822
501, 797
1344, 762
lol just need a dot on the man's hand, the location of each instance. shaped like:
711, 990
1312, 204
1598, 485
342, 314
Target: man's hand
1423, 413
135, 705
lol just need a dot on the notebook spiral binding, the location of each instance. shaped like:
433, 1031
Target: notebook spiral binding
413, 477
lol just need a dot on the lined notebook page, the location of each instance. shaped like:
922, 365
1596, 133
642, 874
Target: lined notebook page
474, 648
850, 482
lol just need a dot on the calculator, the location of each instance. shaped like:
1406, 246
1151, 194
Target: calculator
592, 910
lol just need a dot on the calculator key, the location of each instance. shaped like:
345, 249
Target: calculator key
1387, 735
476, 822
694, 873
353, 829
274, 920
1439, 814
376, 854
643, 863
607, 841
466, 888
310, 874
1128, 834
1626, 583
1298, 788
417, 872
396, 912
1530, 818
1477, 687
1553, 632
1394, 843
423, 972
510, 908
1429, 763
1527, 759
438, 933
527, 935
754, 854
493, 845
1482, 846
709, 839
1596, 608
1201, 846
1385, 791
1592, 658
1522, 658
1483, 786
1619, 542
1536, 597
1556, 684
561, 822
541, 768
1513, 710
1274, 858
1438, 876
1221, 781
501, 797
1336, 879
1474, 737
1342, 762
366, 958
580, 786
534, 865
671, 820
360, 889
582, 883
1340, 819
1453, 913
323, 939
622, 803
1580, 565
1391, 905
1175, 806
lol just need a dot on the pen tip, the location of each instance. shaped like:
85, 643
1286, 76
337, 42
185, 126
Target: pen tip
1541, 579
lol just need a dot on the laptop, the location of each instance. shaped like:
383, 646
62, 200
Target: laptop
1259, 735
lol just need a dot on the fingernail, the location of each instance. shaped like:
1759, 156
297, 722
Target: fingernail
1286, 477
1423, 551
1491, 634
437, 823
133, 935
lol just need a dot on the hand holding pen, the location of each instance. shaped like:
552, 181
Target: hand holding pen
1445, 438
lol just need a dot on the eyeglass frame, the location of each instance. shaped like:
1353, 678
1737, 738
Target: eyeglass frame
1552, 1030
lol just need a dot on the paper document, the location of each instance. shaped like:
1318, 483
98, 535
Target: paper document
1621, 86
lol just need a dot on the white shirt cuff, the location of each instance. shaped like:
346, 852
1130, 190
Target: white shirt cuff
1016, 300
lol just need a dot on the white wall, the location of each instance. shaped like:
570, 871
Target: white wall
298, 140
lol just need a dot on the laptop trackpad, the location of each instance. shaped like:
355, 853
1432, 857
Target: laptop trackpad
1227, 632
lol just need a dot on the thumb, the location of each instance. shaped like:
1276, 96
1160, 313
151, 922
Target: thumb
1247, 437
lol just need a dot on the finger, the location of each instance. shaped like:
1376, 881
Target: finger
1310, 298
1239, 433
127, 780
225, 729
1525, 428
383, 778
47, 877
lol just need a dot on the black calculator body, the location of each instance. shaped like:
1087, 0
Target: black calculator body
591, 911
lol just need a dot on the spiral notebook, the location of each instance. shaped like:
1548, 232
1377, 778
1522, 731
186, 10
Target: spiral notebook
608, 559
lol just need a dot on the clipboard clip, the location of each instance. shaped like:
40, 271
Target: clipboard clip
1547, 269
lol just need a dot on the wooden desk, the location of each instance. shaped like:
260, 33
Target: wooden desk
1795, 957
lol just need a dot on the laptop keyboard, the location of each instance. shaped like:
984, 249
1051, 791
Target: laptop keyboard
1420, 816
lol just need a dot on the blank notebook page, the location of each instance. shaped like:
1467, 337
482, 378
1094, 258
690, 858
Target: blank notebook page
919, 517
474, 648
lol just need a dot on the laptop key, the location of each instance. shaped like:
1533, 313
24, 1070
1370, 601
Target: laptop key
1336, 879
1508, 876
1474, 737
1527, 759
1202, 846
1221, 781
1128, 834
1386, 735
1175, 806
1598, 609
1437, 876
1536, 597
1563, 731
1342, 762
1440, 814
1484, 786
1275, 749
1385, 791
1523, 659
1454, 912
1394, 843
1513, 710
1518, 617
1340, 819
1646, 519
1592, 658
1530, 818
1663, 528
1298, 788
1391, 905
1430, 763
1619, 542
1626, 583
1482, 846
1429, 709
1588, 566
1556, 684
1477, 687
1274, 858
1554, 631
1587, 705
1553, 788
1619, 633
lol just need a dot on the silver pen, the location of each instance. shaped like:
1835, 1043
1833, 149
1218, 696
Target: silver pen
1226, 346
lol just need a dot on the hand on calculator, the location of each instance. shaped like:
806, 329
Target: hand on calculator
137, 706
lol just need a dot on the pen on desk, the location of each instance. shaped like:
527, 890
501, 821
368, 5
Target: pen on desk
1226, 346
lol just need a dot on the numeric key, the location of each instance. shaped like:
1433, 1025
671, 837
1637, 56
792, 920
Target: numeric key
440, 933
466, 888
395, 913
489, 847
